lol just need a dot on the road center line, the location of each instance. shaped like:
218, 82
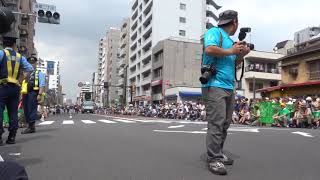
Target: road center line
175, 127
1, 159
303, 134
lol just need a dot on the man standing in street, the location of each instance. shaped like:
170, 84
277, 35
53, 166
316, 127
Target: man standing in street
218, 94
36, 86
11, 65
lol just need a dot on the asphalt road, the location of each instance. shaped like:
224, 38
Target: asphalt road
92, 147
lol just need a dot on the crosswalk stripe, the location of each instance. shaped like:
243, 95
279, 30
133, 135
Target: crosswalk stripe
175, 127
46, 123
107, 121
124, 121
88, 122
68, 122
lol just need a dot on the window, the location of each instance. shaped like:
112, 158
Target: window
258, 86
314, 70
157, 73
183, 6
182, 20
158, 57
182, 32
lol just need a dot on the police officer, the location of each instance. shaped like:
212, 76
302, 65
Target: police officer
36, 85
11, 65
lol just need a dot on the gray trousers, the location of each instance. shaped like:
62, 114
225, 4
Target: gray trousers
219, 108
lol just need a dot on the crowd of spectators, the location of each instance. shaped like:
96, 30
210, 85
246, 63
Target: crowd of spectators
287, 112
280, 112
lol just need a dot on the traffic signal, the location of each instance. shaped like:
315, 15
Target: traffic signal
48, 17
133, 88
6, 20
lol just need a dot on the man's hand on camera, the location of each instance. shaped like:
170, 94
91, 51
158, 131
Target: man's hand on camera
236, 49
245, 51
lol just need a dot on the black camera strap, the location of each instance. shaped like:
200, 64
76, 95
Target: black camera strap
242, 71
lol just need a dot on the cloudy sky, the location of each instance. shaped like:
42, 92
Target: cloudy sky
84, 22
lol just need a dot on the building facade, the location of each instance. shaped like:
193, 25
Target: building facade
149, 25
123, 91
176, 62
101, 72
24, 27
111, 65
261, 70
283, 47
300, 74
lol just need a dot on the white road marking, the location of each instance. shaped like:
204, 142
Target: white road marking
46, 123
15, 154
68, 122
107, 121
124, 121
186, 132
204, 129
255, 130
191, 122
1, 159
88, 122
303, 134
175, 127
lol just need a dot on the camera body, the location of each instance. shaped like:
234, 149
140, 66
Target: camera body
207, 71
243, 35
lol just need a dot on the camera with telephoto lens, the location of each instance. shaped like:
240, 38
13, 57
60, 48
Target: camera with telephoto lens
207, 71
242, 36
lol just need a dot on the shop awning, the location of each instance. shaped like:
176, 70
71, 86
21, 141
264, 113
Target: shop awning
284, 86
190, 94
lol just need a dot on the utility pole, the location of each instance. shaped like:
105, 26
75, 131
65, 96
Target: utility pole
125, 86
254, 87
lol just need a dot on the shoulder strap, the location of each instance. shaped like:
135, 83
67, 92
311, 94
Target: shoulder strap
221, 40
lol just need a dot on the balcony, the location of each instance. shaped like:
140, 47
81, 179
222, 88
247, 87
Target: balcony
148, 21
133, 47
135, 5
276, 76
134, 25
121, 63
23, 33
148, 8
146, 80
134, 36
135, 15
211, 12
212, 3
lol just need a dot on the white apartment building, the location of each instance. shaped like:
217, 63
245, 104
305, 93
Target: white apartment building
123, 61
262, 70
154, 20
51, 68
101, 71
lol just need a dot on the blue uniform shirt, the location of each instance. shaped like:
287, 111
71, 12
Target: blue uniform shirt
225, 66
23, 63
42, 79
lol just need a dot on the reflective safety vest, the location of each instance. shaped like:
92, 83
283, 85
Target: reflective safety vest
10, 67
34, 81
24, 87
